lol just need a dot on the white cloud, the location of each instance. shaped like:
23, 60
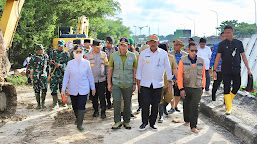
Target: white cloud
140, 13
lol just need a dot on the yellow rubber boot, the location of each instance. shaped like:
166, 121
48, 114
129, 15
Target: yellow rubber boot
232, 95
228, 103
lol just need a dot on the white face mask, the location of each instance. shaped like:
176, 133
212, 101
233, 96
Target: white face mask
78, 56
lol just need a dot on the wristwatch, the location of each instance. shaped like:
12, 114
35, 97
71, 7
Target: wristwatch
214, 70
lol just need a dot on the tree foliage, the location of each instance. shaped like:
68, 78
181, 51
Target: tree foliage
40, 20
241, 29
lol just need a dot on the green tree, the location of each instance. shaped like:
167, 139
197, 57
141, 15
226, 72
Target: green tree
240, 28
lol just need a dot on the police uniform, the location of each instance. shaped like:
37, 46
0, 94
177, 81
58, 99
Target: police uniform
109, 52
39, 65
191, 78
122, 84
231, 68
61, 58
98, 62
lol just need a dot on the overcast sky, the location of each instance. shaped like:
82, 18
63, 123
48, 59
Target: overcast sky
170, 15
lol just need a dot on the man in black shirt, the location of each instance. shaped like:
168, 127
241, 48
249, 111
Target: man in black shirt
230, 50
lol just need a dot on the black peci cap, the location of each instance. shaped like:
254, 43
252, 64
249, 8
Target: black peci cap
110, 39
97, 43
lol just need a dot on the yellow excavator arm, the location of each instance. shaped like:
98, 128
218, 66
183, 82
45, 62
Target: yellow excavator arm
83, 24
9, 21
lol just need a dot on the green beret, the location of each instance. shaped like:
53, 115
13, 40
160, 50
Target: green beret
131, 41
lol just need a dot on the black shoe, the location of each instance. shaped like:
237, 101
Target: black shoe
103, 115
132, 116
176, 109
139, 110
164, 108
207, 89
121, 114
160, 119
153, 127
96, 113
171, 111
142, 127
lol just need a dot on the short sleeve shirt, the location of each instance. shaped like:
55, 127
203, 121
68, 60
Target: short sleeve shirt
231, 55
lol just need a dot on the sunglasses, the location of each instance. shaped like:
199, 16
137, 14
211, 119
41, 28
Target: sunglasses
194, 51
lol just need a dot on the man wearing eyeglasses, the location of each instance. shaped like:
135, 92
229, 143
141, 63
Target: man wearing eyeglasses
122, 82
58, 62
152, 64
191, 82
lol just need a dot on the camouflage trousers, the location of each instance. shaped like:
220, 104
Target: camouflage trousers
56, 83
40, 84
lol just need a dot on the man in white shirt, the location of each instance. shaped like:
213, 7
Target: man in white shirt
150, 74
26, 62
205, 53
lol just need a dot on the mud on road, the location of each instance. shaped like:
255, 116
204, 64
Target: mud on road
29, 125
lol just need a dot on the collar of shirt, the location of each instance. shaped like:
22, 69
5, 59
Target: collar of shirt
149, 50
193, 61
180, 52
124, 55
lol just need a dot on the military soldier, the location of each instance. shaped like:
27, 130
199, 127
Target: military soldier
39, 64
58, 61
99, 62
109, 49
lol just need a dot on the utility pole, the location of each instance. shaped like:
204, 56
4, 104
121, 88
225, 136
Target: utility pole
135, 31
217, 21
194, 24
141, 28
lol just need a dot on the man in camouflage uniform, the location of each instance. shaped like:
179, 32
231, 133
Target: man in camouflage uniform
59, 59
39, 64
109, 49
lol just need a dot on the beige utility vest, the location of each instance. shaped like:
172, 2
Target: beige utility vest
192, 76
97, 66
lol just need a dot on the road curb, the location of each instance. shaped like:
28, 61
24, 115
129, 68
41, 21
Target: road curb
237, 127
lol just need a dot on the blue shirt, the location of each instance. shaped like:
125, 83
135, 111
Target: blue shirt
213, 57
79, 77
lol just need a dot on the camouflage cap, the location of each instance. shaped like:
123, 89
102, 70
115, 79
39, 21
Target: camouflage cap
61, 43
39, 47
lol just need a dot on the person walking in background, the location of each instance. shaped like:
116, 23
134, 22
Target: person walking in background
151, 65
217, 82
167, 96
25, 64
190, 40
191, 82
177, 53
38, 63
78, 75
58, 62
230, 50
109, 49
205, 52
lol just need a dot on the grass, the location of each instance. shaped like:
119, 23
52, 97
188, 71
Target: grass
17, 80
255, 89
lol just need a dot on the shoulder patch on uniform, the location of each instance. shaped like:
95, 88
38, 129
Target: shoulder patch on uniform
186, 63
200, 64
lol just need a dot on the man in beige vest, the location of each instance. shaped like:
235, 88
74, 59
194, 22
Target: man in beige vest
98, 62
191, 82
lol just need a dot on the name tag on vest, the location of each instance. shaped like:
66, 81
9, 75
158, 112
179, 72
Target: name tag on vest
147, 56
186, 63
116, 60
200, 64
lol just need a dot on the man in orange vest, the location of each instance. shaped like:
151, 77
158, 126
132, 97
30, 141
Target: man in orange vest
191, 82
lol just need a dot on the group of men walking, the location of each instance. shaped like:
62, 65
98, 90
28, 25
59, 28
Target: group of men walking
159, 74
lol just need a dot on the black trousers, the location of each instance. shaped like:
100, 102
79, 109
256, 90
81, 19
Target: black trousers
236, 78
78, 102
107, 94
100, 90
152, 97
191, 105
208, 80
140, 100
216, 84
